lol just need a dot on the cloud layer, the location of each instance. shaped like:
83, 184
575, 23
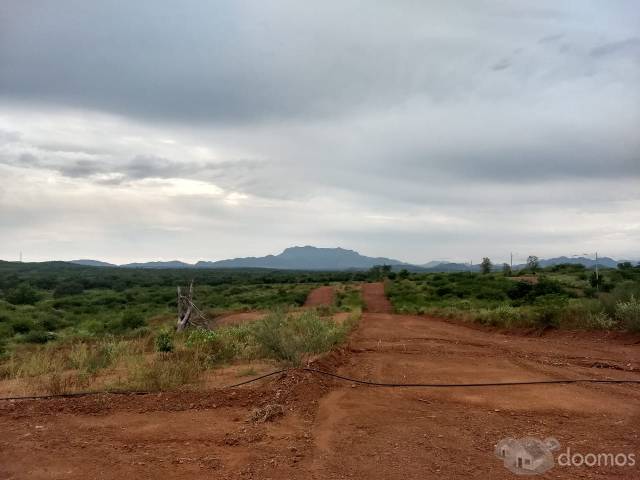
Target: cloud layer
409, 129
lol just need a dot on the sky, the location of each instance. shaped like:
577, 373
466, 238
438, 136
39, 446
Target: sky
416, 130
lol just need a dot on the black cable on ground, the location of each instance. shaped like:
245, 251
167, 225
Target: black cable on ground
489, 384
256, 379
347, 379
79, 394
127, 392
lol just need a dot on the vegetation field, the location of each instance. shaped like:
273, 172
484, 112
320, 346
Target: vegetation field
65, 327
565, 296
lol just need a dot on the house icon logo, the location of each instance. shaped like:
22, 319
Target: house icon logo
527, 455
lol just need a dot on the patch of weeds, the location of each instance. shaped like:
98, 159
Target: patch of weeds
628, 313
166, 371
291, 338
164, 342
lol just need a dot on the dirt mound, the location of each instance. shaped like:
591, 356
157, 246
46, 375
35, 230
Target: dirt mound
320, 296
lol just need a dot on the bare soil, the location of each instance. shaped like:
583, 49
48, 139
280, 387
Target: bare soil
238, 318
320, 296
326, 429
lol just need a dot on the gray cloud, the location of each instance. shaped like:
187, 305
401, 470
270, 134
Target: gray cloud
627, 46
347, 122
249, 61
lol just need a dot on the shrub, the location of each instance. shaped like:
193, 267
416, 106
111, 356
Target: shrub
164, 342
628, 313
600, 321
38, 336
68, 288
519, 290
132, 320
23, 294
223, 344
290, 337
21, 325
502, 316
548, 310
167, 371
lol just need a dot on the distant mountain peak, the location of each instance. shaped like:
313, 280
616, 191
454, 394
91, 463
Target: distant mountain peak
92, 263
306, 257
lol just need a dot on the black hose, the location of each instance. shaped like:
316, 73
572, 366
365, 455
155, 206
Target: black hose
125, 392
348, 379
489, 384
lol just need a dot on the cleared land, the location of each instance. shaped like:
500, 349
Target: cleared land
331, 429
320, 296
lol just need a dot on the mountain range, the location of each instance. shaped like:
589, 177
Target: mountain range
315, 258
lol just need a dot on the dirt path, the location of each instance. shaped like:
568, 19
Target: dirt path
364, 432
375, 300
320, 296
336, 430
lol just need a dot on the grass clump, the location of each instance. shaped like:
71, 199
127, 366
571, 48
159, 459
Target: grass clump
165, 371
164, 342
291, 338
284, 336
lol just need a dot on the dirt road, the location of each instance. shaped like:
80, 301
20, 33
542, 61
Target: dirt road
339, 430
320, 296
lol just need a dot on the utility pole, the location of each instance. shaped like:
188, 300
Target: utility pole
597, 277
511, 261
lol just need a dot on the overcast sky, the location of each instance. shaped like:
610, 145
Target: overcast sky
416, 130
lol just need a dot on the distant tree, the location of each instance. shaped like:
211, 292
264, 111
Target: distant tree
506, 269
625, 266
533, 263
68, 288
378, 272
23, 294
404, 273
485, 265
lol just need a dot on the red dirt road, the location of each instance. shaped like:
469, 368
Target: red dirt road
336, 430
320, 296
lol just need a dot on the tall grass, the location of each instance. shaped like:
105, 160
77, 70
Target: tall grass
285, 336
290, 337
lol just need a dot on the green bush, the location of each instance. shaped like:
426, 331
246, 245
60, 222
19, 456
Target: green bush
223, 344
68, 288
164, 342
167, 371
600, 321
22, 325
23, 294
132, 320
548, 310
291, 337
503, 316
628, 314
38, 336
